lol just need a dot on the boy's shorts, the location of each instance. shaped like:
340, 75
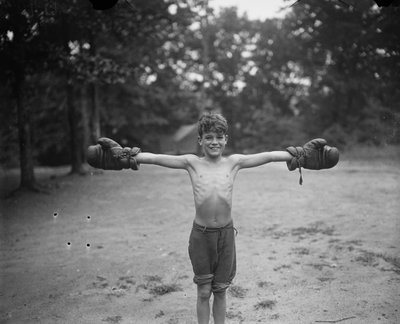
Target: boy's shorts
213, 255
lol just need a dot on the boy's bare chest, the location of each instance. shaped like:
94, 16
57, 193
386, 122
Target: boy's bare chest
213, 178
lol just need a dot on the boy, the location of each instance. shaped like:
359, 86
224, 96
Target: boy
212, 239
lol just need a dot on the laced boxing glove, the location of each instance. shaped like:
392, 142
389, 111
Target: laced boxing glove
314, 155
109, 155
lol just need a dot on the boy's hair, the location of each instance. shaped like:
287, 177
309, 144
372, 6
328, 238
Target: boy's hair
212, 122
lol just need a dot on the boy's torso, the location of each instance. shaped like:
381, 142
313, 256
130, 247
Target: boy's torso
212, 184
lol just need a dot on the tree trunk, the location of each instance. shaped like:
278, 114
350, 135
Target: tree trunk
25, 141
75, 136
93, 100
27, 178
94, 113
86, 139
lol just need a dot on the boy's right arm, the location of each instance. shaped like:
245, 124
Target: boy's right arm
109, 155
165, 160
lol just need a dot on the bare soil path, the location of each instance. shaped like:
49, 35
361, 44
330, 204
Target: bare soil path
111, 247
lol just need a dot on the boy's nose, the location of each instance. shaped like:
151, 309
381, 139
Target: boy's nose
214, 140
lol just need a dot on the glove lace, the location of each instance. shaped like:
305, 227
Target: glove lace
298, 156
301, 175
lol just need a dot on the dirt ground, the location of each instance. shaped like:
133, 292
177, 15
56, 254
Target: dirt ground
111, 247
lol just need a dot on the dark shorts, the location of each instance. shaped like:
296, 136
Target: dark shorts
213, 255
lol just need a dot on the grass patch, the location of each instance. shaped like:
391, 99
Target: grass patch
313, 229
160, 314
264, 284
265, 304
301, 251
128, 280
283, 266
273, 232
163, 289
395, 261
233, 315
369, 258
155, 286
237, 291
153, 278
113, 319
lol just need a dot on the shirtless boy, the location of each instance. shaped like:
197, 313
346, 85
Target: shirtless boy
212, 239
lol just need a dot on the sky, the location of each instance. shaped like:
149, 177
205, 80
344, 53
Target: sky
256, 9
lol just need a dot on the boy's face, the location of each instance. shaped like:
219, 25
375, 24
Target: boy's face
213, 143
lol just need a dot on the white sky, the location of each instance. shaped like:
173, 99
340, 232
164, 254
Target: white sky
256, 9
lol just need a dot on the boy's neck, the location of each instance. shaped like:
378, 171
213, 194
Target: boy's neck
212, 159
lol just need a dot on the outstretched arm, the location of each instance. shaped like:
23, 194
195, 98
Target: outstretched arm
253, 160
314, 155
109, 155
169, 161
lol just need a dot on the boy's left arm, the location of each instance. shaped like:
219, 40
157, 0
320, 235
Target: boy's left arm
253, 160
314, 155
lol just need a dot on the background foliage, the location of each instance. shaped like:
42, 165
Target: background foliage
138, 71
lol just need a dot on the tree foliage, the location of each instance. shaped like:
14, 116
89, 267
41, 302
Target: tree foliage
350, 55
143, 68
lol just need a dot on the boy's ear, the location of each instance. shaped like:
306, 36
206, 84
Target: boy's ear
226, 138
199, 140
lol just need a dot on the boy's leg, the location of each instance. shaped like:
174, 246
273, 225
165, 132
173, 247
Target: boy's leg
224, 273
203, 303
219, 307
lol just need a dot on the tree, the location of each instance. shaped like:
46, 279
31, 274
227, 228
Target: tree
346, 55
22, 53
88, 50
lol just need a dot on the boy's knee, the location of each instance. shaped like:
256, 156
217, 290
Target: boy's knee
219, 295
219, 287
204, 291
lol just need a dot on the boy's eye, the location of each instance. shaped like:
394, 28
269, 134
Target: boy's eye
211, 138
